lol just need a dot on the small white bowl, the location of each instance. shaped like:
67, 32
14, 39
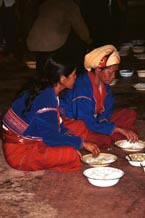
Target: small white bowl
138, 41
31, 64
140, 56
138, 49
136, 159
103, 176
126, 73
141, 73
123, 53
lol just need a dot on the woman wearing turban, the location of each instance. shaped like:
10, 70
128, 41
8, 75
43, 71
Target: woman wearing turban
91, 102
34, 137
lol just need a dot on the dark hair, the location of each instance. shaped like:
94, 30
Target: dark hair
52, 71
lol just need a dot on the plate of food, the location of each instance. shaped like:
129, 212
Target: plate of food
139, 86
129, 146
103, 159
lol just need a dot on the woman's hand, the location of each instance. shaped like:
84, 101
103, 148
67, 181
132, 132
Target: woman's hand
92, 147
129, 134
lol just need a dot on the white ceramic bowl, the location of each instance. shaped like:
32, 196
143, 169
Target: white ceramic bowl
138, 41
123, 52
138, 49
140, 56
126, 73
103, 176
31, 64
141, 73
136, 159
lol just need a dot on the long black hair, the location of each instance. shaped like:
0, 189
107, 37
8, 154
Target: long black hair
50, 75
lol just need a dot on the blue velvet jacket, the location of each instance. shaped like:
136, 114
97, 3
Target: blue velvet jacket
41, 122
80, 103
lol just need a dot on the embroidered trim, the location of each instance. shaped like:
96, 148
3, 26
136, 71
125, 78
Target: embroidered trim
15, 123
74, 99
45, 109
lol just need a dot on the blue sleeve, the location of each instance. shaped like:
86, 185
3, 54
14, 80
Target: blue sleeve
84, 110
50, 132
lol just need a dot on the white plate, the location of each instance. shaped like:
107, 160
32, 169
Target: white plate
132, 147
139, 86
103, 159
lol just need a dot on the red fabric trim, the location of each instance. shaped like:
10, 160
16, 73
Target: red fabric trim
99, 96
12, 121
103, 62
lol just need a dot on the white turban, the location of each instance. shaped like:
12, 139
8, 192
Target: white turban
106, 55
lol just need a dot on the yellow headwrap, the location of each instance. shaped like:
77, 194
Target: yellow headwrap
106, 55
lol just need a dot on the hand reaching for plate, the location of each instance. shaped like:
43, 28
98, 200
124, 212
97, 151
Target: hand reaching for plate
129, 134
92, 147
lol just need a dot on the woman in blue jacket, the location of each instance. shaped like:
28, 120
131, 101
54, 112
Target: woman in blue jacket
34, 137
91, 101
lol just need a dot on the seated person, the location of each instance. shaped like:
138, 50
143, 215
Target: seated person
34, 137
91, 101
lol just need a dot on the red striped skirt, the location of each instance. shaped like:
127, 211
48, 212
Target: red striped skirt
30, 155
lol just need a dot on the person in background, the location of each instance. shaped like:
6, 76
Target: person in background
91, 101
8, 28
34, 137
97, 16
59, 28
118, 12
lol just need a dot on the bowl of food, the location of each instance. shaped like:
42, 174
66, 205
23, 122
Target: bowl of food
129, 146
136, 159
103, 176
126, 73
103, 159
141, 73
